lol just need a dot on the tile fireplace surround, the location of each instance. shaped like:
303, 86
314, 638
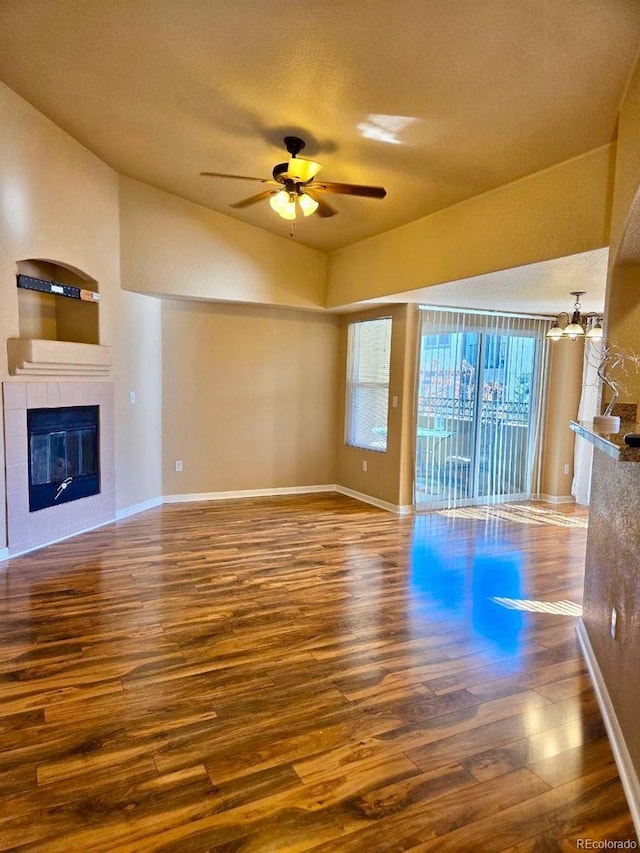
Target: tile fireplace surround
27, 530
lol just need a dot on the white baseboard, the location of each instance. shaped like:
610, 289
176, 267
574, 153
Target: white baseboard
628, 775
368, 499
247, 493
556, 499
287, 490
59, 539
134, 509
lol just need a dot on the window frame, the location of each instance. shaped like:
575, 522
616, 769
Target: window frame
353, 386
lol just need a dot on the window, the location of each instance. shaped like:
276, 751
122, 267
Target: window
369, 359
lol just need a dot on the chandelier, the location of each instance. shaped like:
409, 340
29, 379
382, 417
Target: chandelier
576, 325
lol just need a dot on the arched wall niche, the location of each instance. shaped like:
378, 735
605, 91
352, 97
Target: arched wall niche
43, 316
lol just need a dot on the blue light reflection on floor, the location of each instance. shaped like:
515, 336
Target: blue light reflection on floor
455, 581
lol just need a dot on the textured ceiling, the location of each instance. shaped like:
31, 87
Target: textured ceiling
437, 100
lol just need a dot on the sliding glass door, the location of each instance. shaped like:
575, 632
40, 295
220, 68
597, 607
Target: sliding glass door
478, 392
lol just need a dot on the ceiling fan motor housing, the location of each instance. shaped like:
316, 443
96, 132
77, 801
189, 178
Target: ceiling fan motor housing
294, 145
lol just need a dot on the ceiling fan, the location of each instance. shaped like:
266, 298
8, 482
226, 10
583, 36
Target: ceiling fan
294, 183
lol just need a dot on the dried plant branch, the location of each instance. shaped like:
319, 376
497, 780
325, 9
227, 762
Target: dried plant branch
612, 364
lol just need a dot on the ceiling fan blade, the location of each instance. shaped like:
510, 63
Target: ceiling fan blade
253, 199
238, 177
324, 209
347, 189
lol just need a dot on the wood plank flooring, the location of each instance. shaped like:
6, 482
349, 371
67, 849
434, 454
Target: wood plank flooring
297, 674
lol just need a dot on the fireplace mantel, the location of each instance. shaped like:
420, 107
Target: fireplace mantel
32, 357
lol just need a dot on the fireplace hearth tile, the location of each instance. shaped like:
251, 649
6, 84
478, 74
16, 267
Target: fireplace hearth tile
15, 395
106, 436
18, 525
39, 529
16, 451
105, 395
37, 395
15, 424
53, 395
18, 505
68, 393
17, 475
18, 534
108, 481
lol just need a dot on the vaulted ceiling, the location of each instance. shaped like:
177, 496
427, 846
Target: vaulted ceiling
436, 100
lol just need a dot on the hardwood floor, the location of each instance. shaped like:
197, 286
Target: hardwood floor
301, 674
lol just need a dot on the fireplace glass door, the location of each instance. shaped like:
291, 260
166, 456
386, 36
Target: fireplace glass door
63, 455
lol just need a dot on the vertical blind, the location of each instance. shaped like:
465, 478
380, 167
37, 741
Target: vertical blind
368, 365
479, 407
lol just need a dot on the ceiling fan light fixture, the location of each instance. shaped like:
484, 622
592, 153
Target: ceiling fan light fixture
302, 170
283, 204
289, 182
307, 204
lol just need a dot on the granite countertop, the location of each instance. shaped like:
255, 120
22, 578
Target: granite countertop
611, 443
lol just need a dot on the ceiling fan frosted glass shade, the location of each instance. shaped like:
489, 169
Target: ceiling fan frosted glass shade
302, 170
283, 205
307, 204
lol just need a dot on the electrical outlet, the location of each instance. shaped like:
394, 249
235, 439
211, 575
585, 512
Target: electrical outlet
364, 465
394, 402
614, 622
566, 468
132, 398
178, 465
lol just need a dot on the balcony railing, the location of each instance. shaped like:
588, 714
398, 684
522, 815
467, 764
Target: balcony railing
491, 411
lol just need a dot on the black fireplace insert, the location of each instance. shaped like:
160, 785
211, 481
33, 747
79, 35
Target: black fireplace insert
64, 454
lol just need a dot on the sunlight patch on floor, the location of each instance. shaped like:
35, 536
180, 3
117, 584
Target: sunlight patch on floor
520, 513
559, 608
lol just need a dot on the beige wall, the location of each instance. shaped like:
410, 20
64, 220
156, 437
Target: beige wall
249, 397
388, 476
625, 218
173, 247
138, 368
564, 386
613, 545
560, 211
60, 203
623, 325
